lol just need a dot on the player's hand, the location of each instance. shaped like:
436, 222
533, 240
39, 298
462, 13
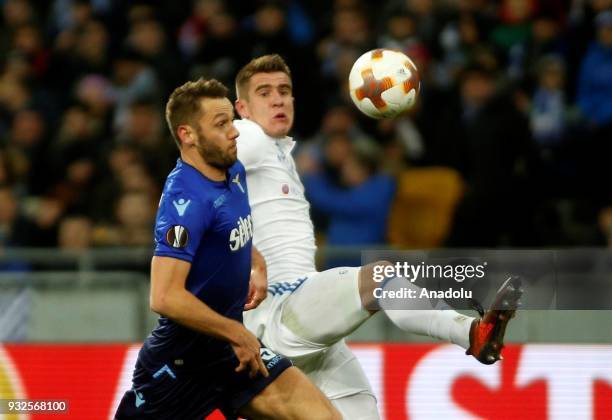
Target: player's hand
258, 287
246, 347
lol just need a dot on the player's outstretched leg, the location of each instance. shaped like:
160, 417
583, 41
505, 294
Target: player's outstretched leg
487, 333
416, 316
290, 397
482, 338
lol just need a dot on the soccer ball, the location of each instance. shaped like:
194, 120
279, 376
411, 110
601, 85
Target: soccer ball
384, 83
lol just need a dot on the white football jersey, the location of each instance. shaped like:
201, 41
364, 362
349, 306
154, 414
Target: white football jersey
283, 230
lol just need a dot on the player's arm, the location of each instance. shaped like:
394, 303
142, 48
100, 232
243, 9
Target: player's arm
258, 283
170, 298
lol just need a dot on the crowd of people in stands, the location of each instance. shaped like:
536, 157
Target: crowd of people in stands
516, 99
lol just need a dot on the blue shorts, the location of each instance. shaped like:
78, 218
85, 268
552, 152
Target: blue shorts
183, 393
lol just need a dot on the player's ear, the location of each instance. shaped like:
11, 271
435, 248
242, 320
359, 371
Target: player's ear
185, 134
241, 108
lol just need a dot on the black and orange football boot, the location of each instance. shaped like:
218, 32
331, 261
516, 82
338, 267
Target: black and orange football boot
487, 333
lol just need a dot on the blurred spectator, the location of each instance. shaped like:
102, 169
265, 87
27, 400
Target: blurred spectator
145, 129
192, 33
426, 19
27, 40
403, 142
148, 38
82, 85
47, 213
74, 191
349, 38
134, 215
460, 40
136, 178
109, 188
514, 27
594, 99
27, 144
581, 31
546, 39
220, 55
400, 32
77, 52
15, 13
267, 32
78, 135
7, 171
133, 81
75, 233
357, 208
15, 230
127, 174
70, 14
595, 82
14, 96
97, 95
549, 110
499, 156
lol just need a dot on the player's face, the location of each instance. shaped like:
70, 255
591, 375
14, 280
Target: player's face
269, 103
216, 133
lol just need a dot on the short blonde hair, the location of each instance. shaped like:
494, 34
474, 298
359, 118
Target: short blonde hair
265, 64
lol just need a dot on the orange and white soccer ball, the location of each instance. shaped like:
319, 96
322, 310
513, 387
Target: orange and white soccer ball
384, 83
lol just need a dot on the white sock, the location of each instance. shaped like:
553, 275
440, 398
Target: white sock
426, 319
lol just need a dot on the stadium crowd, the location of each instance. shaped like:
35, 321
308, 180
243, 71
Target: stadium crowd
515, 109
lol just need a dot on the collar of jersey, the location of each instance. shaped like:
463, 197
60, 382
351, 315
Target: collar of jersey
286, 142
228, 175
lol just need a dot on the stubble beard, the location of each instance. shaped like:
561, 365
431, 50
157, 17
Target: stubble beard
213, 155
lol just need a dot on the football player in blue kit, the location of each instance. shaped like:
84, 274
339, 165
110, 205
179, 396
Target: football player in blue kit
200, 356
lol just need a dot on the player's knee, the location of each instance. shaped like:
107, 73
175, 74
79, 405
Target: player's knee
373, 274
371, 277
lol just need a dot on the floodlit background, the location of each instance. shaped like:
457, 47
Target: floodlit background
509, 146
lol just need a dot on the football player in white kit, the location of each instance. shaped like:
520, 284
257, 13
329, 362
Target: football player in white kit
307, 313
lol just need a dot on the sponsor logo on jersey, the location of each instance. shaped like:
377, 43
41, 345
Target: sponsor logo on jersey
177, 236
236, 181
241, 235
181, 205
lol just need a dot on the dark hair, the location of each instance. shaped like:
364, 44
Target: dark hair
265, 64
184, 105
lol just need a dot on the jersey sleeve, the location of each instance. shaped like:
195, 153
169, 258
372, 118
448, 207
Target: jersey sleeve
250, 150
182, 220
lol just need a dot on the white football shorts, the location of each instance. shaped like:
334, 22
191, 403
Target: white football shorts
307, 320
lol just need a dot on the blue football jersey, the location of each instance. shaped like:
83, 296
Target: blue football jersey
207, 223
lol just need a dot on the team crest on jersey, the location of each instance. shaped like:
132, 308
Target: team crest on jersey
177, 236
241, 235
